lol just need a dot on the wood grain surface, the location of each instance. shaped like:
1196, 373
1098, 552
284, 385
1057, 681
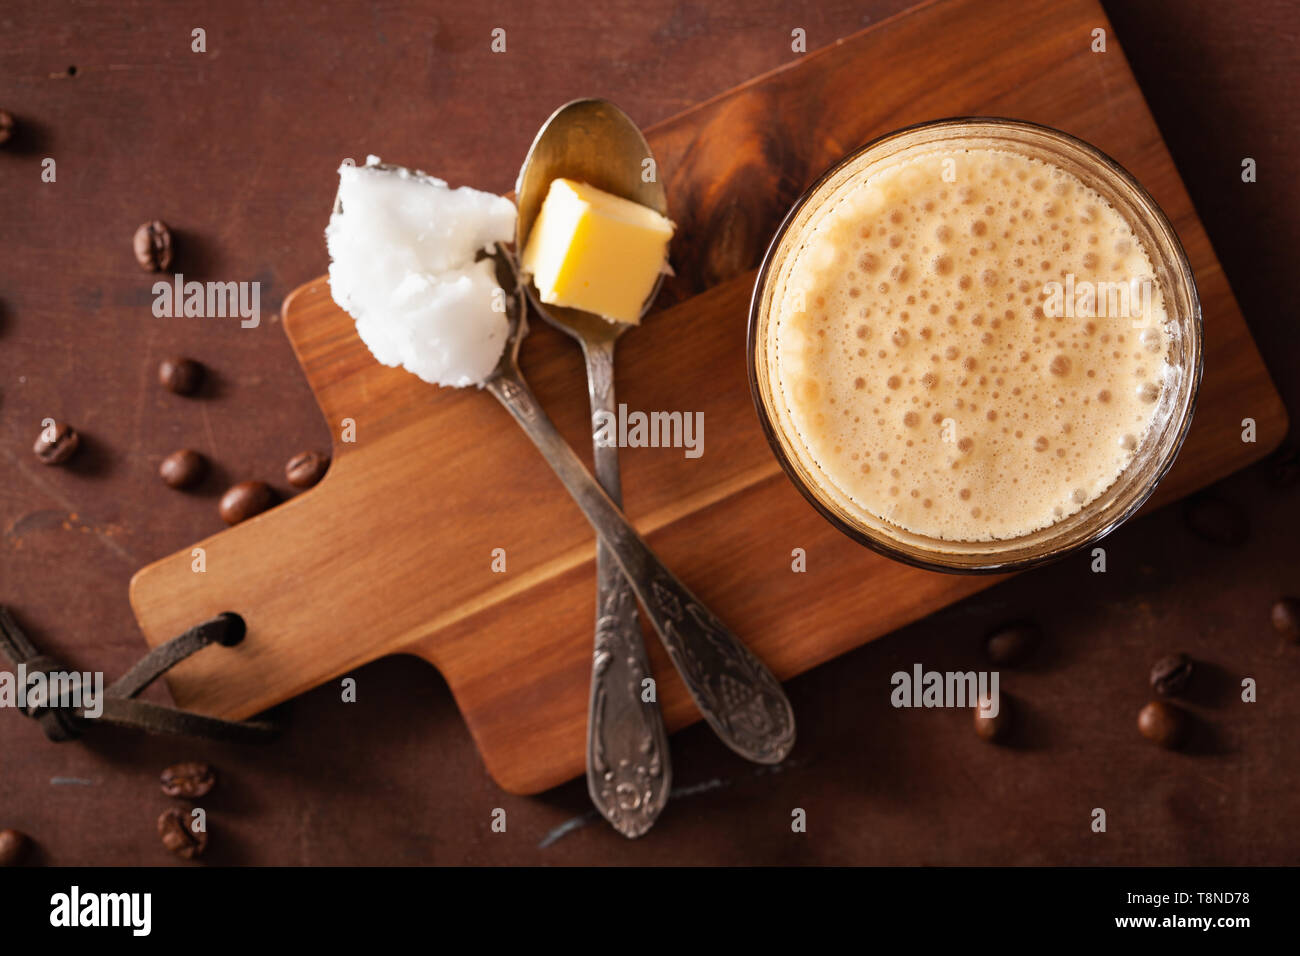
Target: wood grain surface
393, 551
236, 150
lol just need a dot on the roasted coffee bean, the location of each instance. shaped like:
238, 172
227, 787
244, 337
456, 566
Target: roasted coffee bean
176, 827
1012, 644
153, 246
190, 780
183, 469
1286, 618
180, 375
56, 444
244, 500
1169, 675
6, 126
1216, 520
13, 844
1161, 723
305, 469
996, 727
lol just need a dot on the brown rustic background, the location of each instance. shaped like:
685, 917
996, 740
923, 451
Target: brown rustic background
236, 149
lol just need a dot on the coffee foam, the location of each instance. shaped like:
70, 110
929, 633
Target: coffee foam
919, 365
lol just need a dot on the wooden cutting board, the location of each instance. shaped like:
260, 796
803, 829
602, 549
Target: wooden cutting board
393, 551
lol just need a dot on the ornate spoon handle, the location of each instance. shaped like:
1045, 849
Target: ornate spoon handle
629, 773
735, 692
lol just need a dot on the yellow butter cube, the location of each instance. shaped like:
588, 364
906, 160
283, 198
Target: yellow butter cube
595, 251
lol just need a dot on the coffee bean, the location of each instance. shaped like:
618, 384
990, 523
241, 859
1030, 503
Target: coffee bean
183, 469
1215, 520
190, 780
13, 844
56, 444
176, 828
153, 246
1286, 618
998, 726
1012, 644
1169, 675
305, 469
1161, 723
6, 126
244, 500
180, 375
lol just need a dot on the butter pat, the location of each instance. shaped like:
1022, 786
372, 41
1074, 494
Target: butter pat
595, 251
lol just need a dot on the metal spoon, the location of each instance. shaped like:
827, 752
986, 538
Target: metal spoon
629, 772
593, 141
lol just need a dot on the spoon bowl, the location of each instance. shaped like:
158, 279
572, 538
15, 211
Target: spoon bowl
594, 142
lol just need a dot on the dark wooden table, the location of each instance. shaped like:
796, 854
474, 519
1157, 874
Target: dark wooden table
236, 149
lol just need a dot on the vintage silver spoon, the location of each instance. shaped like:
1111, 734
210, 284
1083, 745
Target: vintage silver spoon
629, 772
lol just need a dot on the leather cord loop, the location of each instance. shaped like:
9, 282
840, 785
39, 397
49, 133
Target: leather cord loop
62, 721
162, 658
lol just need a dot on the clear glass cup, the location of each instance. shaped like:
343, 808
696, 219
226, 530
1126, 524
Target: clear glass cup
1154, 455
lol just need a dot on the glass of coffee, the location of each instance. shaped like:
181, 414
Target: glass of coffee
975, 345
